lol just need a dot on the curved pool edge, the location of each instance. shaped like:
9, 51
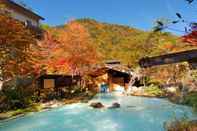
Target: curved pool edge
147, 110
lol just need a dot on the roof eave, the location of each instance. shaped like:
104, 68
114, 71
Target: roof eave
12, 2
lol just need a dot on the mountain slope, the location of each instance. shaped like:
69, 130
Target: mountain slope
129, 44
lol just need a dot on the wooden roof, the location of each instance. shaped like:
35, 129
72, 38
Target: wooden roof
100, 70
28, 12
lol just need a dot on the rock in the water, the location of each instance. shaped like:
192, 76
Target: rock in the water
97, 105
115, 105
4, 116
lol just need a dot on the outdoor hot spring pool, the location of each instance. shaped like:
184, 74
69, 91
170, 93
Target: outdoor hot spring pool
135, 114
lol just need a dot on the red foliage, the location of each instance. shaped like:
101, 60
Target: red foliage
191, 38
61, 61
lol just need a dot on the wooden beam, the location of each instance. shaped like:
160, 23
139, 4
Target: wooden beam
185, 56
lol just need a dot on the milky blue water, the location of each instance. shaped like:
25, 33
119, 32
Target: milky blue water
135, 114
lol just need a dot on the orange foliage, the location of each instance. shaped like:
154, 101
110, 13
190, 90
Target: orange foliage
169, 46
16, 42
79, 47
70, 50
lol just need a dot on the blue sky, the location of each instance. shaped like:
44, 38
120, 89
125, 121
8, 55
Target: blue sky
136, 13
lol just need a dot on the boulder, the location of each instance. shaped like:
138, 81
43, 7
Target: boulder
97, 105
115, 105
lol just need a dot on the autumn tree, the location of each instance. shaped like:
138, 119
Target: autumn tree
17, 62
79, 48
69, 50
16, 43
191, 37
190, 28
50, 50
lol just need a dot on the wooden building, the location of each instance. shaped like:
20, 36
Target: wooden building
112, 74
22, 13
25, 15
57, 81
117, 79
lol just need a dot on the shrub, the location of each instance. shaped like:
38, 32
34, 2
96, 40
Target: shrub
18, 97
32, 108
154, 90
179, 125
191, 100
182, 124
17, 93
